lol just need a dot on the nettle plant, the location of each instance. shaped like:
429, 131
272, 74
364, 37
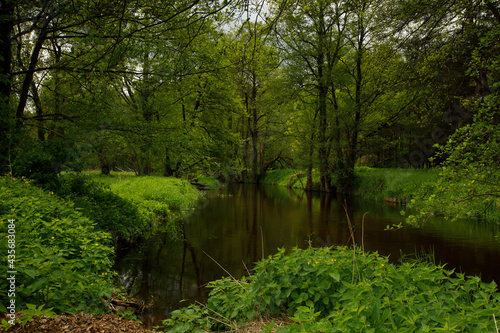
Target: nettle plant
62, 260
340, 290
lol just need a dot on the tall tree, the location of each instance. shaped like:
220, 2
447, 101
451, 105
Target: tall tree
257, 76
336, 45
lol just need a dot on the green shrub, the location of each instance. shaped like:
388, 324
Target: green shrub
42, 162
62, 260
310, 278
334, 290
111, 212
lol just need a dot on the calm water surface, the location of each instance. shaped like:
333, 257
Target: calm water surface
236, 226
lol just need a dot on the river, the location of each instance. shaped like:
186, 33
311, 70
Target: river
236, 226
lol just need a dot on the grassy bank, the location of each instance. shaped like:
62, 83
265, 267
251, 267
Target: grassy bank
396, 185
158, 198
64, 239
210, 182
130, 206
293, 178
337, 290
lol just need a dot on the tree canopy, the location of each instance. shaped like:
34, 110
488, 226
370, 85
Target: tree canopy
233, 89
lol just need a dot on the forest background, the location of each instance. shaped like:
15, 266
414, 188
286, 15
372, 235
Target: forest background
233, 89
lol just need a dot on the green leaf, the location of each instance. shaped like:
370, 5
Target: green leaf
335, 276
37, 285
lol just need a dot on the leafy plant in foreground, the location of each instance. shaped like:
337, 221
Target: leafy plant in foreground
62, 260
330, 290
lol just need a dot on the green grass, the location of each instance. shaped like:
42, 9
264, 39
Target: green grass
281, 177
399, 185
178, 194
112, 178
210, 181
96, 201
161, 201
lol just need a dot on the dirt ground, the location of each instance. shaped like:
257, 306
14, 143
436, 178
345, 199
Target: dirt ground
87, 323
80, 323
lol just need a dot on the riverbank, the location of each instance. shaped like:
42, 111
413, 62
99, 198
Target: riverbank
344, 290
393, 185
382, 184
65, 239
160, 201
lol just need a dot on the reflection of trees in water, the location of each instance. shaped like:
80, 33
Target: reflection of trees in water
237, 223
188, 247
161, 271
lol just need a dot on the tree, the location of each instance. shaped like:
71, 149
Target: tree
312, 34
337, 51
469, 180
469, 183
77, 37
257, 77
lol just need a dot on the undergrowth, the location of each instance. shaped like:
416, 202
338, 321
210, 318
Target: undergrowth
62, 259
335, 290
281, 177
398, 185
161, 201
111, 212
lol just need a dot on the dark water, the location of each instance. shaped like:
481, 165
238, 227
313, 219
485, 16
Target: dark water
240, 224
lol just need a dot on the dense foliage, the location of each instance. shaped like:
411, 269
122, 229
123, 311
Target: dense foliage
469, 183
190, 88
108, 210
340, 290
62, 259
161, 201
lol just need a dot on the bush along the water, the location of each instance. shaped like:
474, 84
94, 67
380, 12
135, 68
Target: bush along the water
161, 201
62, 260
111, 212
339, 290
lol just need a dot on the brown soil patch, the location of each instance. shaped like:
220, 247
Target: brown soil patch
80, 323
87, 323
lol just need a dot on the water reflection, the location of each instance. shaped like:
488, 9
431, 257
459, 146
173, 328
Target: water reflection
240, 224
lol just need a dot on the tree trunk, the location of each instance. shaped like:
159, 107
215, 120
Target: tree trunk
35, 54
39, 112
323, 79
254, 132
6, 27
